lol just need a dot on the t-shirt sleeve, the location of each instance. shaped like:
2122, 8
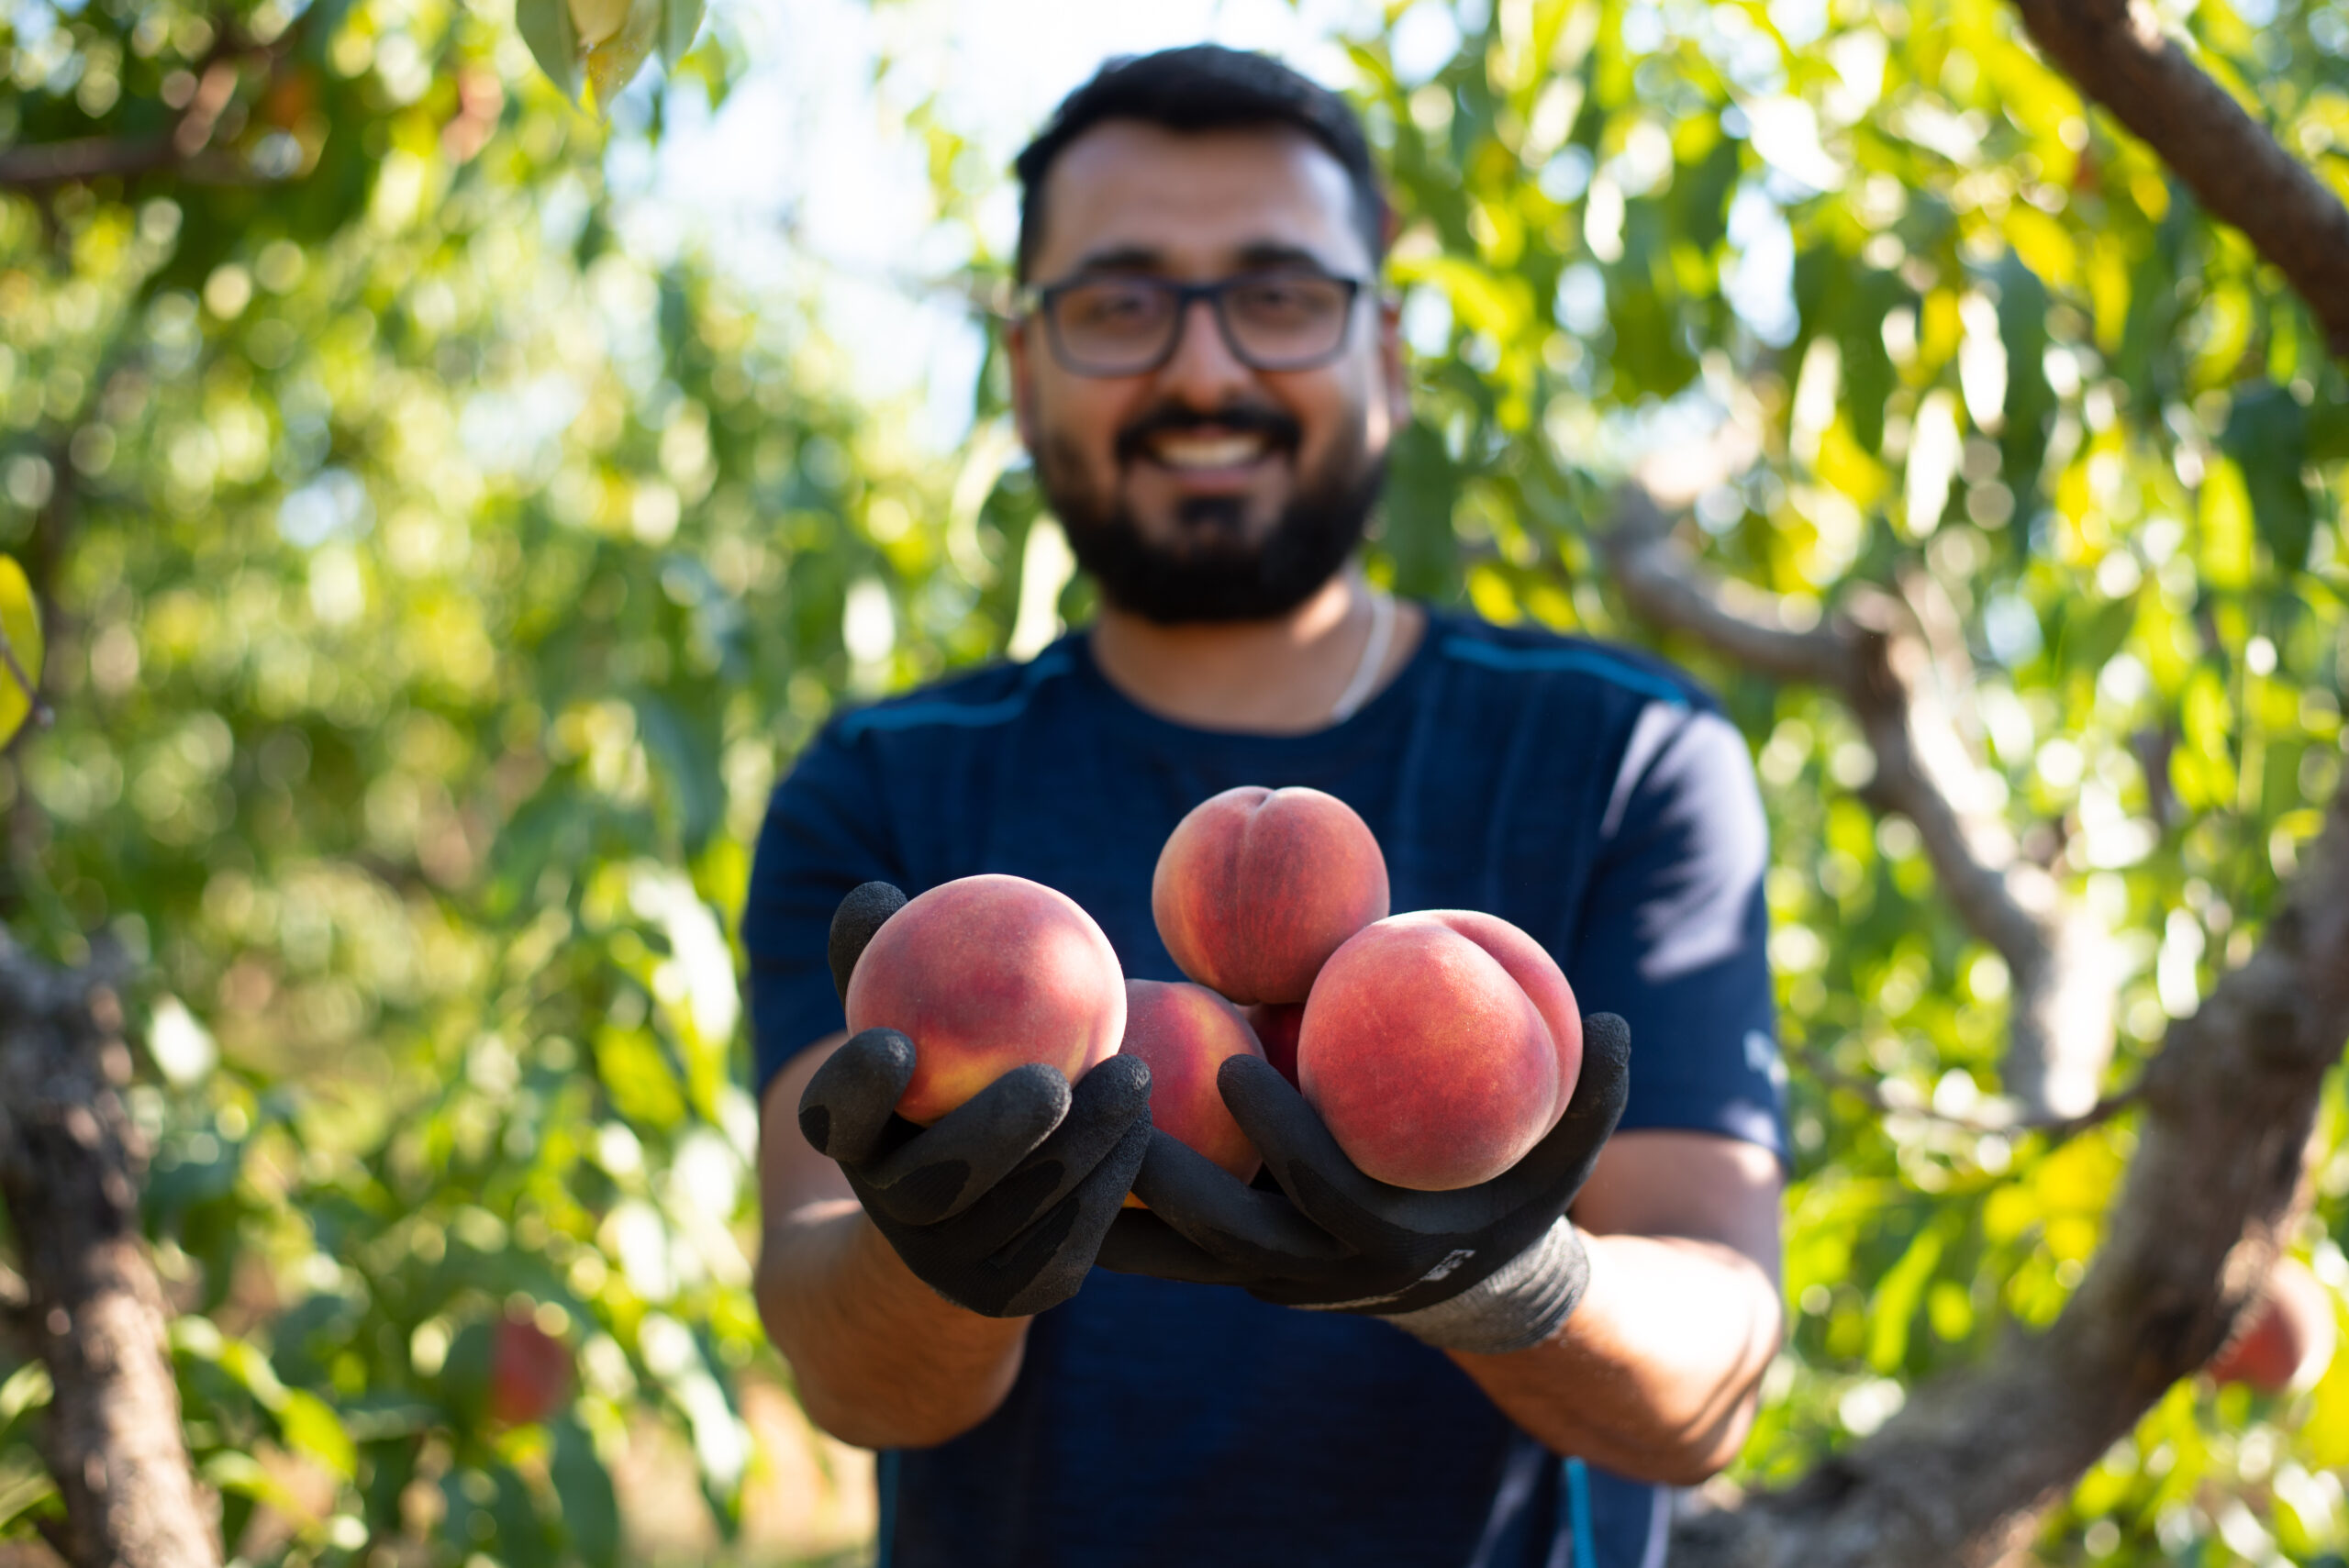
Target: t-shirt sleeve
1674, 934
825, 833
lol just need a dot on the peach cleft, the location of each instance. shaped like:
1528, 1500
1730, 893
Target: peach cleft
1256, 888
1439, 1048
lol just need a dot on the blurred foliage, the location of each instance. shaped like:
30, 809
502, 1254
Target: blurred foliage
1980, 347
437, 578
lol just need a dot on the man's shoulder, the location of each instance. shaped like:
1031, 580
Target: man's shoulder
1610, 673
984, 698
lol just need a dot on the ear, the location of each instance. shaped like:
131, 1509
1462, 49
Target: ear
1019, 348
1394, 370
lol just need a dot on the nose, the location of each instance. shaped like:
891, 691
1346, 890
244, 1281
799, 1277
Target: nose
1204, 373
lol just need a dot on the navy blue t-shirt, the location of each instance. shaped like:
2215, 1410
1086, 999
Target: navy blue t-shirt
1592, 795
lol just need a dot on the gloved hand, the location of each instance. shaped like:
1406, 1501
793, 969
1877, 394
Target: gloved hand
1491, 1268
1000, 1205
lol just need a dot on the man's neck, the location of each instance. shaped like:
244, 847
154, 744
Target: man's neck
1281, 676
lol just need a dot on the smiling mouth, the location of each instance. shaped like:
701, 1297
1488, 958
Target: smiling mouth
1187, 451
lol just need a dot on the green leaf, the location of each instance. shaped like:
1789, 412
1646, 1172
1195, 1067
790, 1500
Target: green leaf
464, 1374
1896, 1299
613, 63
687, 748
2328, 432
243, 1476
27, 1388
20, 649
590, 1509
680, 22
546, 26
2227, 527
707, 63
2091, 637
1417, 522
2031, 402
2267, 434
523, 1537
23, 1494
311, 1426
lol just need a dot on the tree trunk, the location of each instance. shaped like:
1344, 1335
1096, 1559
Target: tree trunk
93, 1310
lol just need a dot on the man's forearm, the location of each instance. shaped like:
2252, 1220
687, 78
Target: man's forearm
1654, 1376
882, 1359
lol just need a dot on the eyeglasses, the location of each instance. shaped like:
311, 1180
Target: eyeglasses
1289, 320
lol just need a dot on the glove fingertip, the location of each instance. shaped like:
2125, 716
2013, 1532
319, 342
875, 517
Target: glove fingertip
1605, 1063
1037, 1078
877, 1062
1607, 1037
861, 914
1277, 1119
1253, 1079
849, 1098
1117, 1085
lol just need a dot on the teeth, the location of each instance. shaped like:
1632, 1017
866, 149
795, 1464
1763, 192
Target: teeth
1208, 451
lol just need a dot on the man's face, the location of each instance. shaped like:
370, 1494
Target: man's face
1205, 489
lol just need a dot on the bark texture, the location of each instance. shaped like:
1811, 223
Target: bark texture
93, 1310
2115, 52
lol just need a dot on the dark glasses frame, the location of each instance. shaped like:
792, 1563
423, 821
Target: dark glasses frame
1043, 301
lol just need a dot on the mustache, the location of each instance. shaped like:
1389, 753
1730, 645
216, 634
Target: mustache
1280, 430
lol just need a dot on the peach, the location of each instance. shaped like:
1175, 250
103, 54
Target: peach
984, 974
1184, 1033
2282, 1342
530, 1373
1276, 1024
1439, 1047
1257, 887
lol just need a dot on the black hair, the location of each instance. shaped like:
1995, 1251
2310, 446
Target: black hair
1204, 87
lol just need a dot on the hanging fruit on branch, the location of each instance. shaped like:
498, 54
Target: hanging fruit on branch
605, 43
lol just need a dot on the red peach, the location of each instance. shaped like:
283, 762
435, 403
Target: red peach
1276, 1024
1538, 975
530, 1373
1257, 887
984, 974
1184, 1033
2282, 1342
1429, 1051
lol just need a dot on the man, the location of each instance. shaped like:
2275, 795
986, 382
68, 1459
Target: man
1312, 1370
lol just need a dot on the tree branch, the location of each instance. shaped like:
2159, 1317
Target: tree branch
67, 163
2054, 1129
2116, 53
2061, 1019
1962, 1473
69, 1163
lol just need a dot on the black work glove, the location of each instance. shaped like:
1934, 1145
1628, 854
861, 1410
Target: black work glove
999, 1206
1491, 1268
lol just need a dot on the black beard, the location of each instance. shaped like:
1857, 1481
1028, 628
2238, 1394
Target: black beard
1216, 575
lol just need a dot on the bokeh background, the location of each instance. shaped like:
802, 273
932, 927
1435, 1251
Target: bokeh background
453, 510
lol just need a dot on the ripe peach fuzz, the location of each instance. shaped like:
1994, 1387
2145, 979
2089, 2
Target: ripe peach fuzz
1257, 887
1439, 1047
1184, 1033
2284, 1341
984, 974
